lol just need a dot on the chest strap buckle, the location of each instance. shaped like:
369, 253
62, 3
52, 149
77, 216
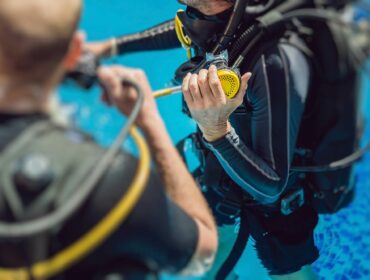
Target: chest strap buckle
292, 202
228, 208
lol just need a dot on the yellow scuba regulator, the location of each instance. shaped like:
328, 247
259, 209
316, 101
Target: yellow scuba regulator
229, 77
230, 81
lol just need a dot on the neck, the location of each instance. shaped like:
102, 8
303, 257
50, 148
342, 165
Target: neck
25, 99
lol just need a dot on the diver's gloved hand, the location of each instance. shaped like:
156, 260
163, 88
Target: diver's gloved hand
124, 97
208, 104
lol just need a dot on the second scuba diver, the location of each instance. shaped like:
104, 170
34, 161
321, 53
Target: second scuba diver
132, 222
267, 150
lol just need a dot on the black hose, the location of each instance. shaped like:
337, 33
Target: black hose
235, 19
244, 39
60, 215
248, 48
260, 9
312, 14
336, 165
307, 14
317, 15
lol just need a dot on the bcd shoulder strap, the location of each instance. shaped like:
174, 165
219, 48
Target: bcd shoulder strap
70, 156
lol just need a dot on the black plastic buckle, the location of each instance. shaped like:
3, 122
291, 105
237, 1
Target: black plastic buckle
228, 209
292, 202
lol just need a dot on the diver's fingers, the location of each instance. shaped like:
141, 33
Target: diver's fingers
110, 82
204, 85
123, 72
215, 84
132, 74
186, 91
194, 88
244, 86
135, 76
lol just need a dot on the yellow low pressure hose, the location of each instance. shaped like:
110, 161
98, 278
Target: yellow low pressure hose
98, 234
166, 91
229, 80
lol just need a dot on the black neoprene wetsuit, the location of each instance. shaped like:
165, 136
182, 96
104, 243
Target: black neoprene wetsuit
156, 236
257, 154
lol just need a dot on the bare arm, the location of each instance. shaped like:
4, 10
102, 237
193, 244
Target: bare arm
182, 189
179, 184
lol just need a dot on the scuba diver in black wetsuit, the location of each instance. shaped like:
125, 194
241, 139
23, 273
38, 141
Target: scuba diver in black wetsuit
68, 208
281, 152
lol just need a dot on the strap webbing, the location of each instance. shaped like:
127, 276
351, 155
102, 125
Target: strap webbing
237, 250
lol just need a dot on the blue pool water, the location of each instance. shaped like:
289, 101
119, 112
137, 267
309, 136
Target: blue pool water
343, 239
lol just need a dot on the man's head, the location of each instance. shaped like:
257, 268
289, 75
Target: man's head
209, 7
37, 39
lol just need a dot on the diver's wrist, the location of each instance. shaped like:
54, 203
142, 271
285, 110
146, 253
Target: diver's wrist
215, 133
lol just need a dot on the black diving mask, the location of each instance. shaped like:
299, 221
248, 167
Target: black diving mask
204, 31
